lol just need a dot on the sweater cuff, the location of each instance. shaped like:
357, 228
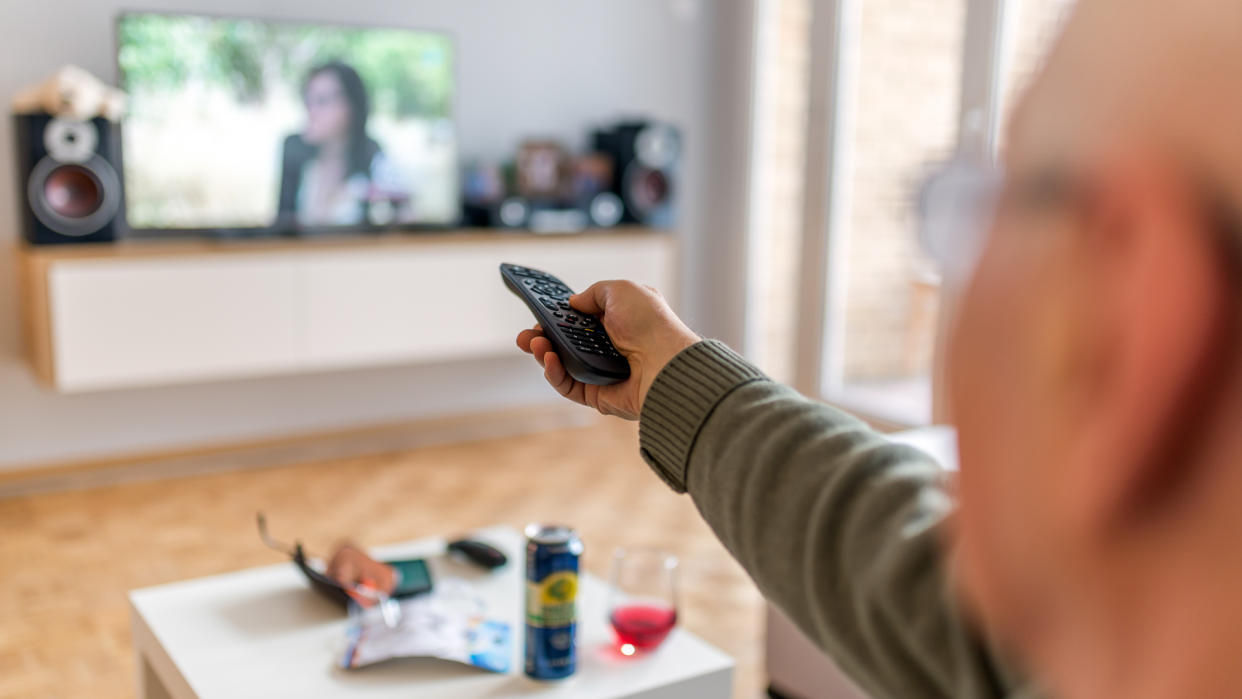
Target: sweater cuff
680, 401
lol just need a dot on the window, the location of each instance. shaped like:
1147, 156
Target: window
904, 99
912, 82
780, 113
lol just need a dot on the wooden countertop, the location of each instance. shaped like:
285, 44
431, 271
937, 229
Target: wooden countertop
145, 247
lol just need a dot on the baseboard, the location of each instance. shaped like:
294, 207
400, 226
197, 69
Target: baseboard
316, 446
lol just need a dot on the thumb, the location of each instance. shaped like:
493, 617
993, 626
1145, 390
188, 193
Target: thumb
593, 300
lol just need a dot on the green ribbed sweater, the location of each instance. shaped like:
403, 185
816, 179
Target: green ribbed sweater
836, 525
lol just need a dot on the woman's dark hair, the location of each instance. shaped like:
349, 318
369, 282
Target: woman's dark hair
362, 149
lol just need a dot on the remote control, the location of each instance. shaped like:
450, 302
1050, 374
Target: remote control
578, 338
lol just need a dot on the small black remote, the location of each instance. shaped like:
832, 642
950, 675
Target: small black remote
578, 338
479, 553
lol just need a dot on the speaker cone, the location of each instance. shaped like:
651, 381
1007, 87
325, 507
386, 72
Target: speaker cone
648, 194
605, 210
513, 212
72, 191
74, 199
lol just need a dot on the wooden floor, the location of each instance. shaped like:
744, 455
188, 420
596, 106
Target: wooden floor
67, 559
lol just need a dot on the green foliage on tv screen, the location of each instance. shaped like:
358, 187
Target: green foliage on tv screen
407, 73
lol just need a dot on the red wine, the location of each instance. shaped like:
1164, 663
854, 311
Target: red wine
643, 626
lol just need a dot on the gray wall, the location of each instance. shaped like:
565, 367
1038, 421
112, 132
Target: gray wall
535, 67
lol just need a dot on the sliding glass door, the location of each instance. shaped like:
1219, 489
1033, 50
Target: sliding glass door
856, 103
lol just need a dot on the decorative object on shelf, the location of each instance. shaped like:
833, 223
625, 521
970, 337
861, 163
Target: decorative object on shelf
544, 178
549, 190
646, 156
66, 155
542, 171
486, 198
72, 93
591, 189
483, 190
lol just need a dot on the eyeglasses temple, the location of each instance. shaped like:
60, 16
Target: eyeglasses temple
269, 541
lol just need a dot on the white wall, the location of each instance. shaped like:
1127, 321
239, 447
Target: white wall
534, 67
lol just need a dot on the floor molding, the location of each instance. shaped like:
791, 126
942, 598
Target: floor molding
316, 446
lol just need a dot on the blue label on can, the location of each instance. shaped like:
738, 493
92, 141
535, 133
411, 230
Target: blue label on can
551, 608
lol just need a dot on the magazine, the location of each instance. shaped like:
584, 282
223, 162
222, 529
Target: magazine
449, 623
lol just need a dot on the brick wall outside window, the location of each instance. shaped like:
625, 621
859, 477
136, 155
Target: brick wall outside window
906, 93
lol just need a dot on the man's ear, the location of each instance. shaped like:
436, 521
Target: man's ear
1161, 298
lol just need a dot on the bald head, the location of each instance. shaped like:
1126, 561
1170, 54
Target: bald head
1095, 370
1149, 70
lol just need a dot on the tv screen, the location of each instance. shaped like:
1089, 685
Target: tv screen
277, 126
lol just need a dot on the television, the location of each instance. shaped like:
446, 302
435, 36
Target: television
271, 127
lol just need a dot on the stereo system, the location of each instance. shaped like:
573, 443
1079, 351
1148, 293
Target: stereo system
645, 156
70, 189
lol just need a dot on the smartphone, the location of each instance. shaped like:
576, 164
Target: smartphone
413, 577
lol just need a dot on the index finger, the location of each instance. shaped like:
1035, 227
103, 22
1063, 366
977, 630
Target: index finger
524, 338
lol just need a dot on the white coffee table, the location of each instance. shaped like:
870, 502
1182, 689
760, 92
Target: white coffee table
264, 633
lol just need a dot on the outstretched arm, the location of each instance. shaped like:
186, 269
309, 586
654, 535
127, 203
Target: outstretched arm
837, 526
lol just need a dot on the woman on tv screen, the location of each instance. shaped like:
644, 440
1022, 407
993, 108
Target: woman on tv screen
255, 127
333, 173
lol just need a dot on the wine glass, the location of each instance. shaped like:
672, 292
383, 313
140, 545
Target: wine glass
642, 603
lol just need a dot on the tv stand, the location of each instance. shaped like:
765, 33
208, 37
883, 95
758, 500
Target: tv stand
151, 312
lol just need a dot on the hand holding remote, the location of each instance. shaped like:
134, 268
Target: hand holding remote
643, 328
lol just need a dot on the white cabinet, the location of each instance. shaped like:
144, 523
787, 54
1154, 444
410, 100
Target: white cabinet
446, 301
125, 322
99, 318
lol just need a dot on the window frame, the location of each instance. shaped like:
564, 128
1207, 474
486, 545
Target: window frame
819, 345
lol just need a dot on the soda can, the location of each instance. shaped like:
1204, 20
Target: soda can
552, 554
